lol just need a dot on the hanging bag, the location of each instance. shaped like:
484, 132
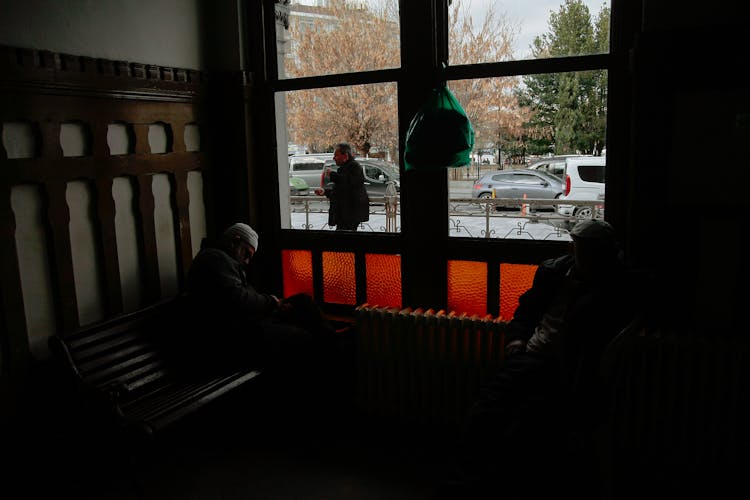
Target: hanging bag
440, 134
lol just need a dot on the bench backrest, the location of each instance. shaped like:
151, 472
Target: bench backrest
122, 355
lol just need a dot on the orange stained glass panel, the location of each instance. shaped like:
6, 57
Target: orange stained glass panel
296, 268
514, 280
383, 279
467, 287
339, 278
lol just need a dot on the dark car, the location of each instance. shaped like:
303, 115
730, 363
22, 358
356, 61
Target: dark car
518, 183
378, 174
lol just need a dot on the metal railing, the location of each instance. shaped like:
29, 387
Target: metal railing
470, 217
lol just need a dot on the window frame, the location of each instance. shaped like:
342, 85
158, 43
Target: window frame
423, 241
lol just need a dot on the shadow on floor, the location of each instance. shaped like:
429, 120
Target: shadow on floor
257, 444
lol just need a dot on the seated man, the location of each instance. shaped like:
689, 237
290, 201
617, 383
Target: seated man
233, 324
549, 390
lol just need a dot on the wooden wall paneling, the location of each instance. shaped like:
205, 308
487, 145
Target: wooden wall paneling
48, 89
107, 241
15, 348
99, 148
141, 138
182, 221
58, 218
149, 252
50, 148
178, 135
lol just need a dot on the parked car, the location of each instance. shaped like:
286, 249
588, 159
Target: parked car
554, 165
308, 167
378, 173
517, 183
584, 180
298, 187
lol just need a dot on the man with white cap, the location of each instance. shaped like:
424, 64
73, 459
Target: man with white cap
549, 386
233, 323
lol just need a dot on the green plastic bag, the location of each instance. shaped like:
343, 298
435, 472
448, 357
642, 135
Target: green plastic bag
440, 134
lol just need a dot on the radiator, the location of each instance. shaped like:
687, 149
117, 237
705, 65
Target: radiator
679, 397
423, 365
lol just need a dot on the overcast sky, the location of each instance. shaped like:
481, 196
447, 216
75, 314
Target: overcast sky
532, 15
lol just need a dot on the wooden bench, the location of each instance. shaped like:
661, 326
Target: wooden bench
124, 366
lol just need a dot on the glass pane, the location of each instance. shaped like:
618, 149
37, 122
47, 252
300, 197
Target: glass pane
515, 279
467, 287
383, 279
518, 121
339, 279
328, 37
296, 267
310, 124
488, 31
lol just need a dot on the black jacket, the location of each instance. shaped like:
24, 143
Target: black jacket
223, 311
350, 204
597, 310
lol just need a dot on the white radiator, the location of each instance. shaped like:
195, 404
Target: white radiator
423, 365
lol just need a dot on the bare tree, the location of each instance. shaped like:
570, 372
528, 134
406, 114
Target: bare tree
351, 36
345, 37
490, 103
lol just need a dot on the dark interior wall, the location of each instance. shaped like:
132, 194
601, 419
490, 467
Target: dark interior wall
225, 107
687, 213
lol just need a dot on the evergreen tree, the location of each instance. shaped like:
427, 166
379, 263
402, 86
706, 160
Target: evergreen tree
569, 109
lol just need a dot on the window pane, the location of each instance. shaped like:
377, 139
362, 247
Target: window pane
488, 31
297, 272
517, 121
467, 287
515, 279
339, 280
383, 279
328, 37
310, 124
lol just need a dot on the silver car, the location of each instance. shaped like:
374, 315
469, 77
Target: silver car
378, 174
534, 184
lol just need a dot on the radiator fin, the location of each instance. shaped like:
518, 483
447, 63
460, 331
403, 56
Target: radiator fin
424, 365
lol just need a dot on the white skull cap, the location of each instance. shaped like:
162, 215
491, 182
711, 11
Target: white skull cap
244, 232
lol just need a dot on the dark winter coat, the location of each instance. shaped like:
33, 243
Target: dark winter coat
349, 203
224, 312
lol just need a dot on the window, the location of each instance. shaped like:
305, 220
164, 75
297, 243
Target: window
518, 111
533, 80
325, 42
591, 173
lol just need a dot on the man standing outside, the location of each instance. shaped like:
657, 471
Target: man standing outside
349, 203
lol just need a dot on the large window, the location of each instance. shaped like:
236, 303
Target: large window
531, 77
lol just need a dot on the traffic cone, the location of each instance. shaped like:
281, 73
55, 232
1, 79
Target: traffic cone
523, 206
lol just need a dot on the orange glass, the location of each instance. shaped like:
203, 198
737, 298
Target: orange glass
296, 268
515, 279
339, 278
467, 287
383, 279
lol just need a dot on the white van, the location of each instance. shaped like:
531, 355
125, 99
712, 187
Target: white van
583, 180
309, 168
